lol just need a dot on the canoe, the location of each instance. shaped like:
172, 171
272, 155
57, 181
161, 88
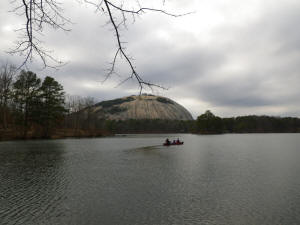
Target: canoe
180, 143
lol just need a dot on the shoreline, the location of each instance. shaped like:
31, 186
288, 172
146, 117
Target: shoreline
16, 135
77, 134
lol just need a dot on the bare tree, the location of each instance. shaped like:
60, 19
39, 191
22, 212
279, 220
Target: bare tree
88, 103
74, 104
41, 13
7, 73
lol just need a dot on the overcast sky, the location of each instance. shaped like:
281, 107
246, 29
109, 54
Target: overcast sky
232, 57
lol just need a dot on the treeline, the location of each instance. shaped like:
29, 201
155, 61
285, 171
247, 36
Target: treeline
208, 123
148, 126
34, 108
26, 100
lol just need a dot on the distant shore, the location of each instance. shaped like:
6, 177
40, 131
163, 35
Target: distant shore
15, 134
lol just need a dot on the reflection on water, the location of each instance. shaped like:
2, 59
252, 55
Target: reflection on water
226, 179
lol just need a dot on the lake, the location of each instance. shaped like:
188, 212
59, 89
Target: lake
134, 180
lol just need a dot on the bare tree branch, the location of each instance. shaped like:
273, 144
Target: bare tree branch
41, 13
120, 50
143, 9
38, 13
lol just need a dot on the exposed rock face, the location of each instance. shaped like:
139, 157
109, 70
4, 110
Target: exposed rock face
141, 107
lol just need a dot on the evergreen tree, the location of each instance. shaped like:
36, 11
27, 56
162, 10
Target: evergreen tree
26, 97
208, 123
52, 104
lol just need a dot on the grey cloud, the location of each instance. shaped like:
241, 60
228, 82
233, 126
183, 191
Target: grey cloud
285, 30
180, 67
234, 94
272, 77
267, 48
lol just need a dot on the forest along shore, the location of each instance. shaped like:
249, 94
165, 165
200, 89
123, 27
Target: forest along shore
13, 134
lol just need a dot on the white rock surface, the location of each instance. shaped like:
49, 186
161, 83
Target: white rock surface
141, 107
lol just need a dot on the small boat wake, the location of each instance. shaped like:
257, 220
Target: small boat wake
145, 148
153, 147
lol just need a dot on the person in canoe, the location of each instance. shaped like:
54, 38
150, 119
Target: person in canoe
174, 142
167, 142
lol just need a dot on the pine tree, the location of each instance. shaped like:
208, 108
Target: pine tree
52, 104
26, 97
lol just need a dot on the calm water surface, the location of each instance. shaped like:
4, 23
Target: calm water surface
128, 180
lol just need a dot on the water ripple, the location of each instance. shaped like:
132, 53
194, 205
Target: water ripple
228, 179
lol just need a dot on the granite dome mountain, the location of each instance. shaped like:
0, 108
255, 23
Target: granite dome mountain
140, 107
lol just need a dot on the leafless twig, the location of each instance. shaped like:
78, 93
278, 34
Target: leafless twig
110, 6
40, 13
